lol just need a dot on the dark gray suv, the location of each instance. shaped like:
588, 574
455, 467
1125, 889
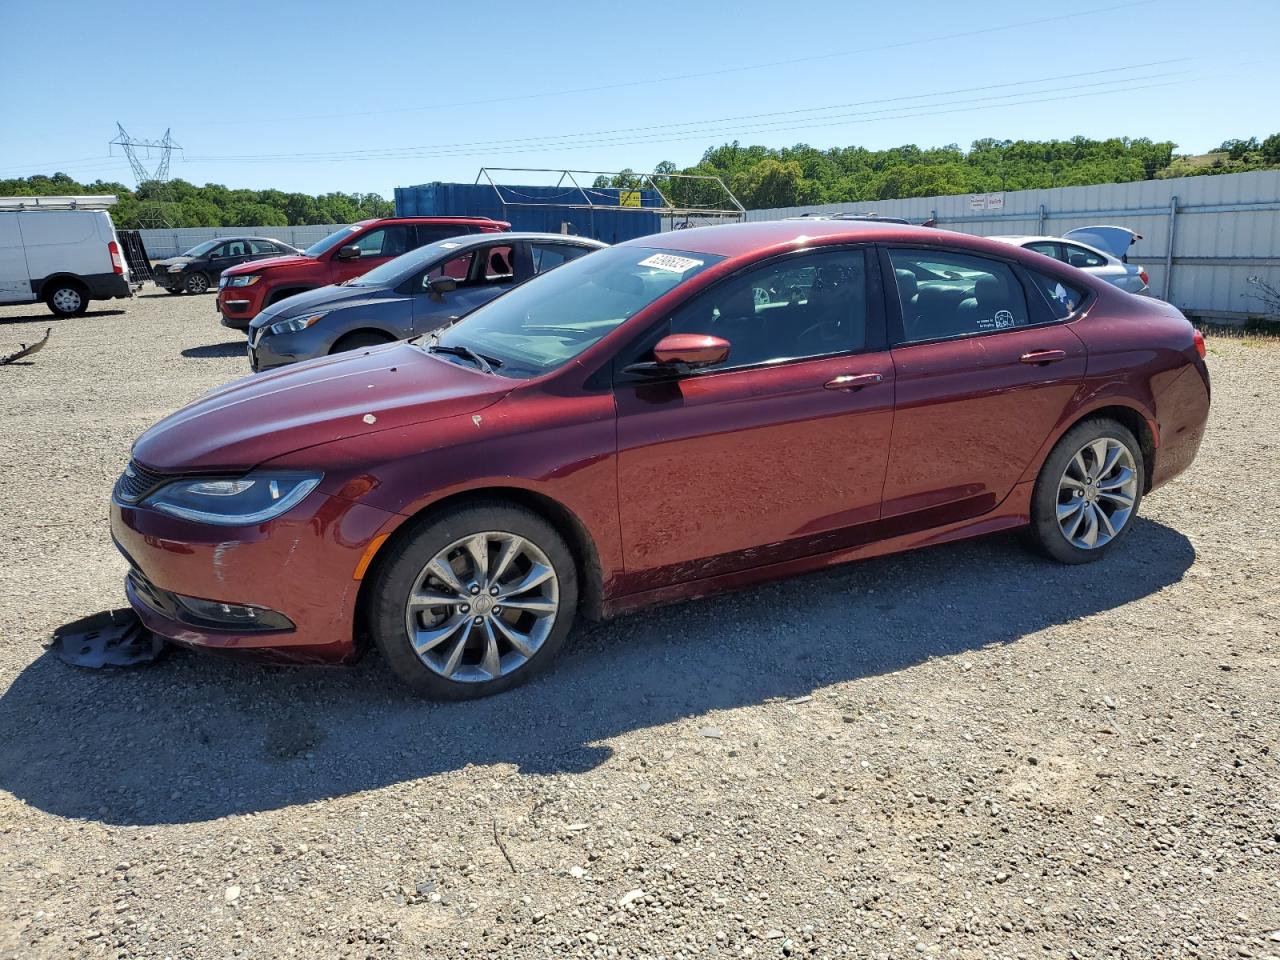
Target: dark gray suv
412, 294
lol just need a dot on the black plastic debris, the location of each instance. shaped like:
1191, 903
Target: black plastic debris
113, 638
26, 351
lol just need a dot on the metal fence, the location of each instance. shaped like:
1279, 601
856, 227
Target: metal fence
1202, 237
170, 243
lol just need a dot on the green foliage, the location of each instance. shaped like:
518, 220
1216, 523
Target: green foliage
793, 176
184, 204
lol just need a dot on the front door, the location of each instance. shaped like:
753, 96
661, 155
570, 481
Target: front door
375, 246
780, 451
481, 273
984, 369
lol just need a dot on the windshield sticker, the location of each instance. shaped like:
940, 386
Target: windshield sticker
670, 263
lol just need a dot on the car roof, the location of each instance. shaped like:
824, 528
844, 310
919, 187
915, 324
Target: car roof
737, 239
475, 239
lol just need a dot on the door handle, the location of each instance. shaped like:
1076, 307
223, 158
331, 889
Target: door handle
853, 381
1043, 356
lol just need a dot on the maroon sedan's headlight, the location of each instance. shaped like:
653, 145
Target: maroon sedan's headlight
234, 501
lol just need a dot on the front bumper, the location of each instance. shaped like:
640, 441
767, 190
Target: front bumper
238, 305
267, 352
305, 565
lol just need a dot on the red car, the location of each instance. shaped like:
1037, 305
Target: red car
244, 290
663, 419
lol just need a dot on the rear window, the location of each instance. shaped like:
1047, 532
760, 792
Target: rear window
1064, 299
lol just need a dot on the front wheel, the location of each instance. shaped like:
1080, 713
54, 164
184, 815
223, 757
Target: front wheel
359, 339
474, 601
1088, 492
196, 283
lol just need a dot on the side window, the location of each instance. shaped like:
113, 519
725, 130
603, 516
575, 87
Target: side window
260, 247
949, 294
385, 242
1048, 248
500, 267
237, 248
548, 256
802, 306
431, 233
459, 268
1063, 298
217, 252
1080, 257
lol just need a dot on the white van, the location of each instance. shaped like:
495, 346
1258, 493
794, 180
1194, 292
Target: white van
61, 250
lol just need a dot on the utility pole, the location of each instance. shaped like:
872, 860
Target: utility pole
151, 214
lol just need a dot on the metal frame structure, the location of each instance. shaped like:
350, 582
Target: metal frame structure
642, 181
151, 213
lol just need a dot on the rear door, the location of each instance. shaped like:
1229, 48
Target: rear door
985, 368
15, 282
261, 249
775, 453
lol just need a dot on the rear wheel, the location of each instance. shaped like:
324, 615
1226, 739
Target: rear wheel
1088, 492
475, 601
361, 338
196, 283
66, 298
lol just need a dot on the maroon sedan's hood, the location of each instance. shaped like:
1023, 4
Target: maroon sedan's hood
257, 266
258, 418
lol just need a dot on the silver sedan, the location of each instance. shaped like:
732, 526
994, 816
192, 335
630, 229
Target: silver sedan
1102, 251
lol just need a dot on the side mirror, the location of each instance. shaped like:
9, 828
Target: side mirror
680, 353
349, 252
440, 286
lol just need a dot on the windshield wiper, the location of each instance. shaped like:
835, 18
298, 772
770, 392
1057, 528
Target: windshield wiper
459, 350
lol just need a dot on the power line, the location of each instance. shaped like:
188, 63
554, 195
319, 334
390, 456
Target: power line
1108, 11
920, 110
388, 152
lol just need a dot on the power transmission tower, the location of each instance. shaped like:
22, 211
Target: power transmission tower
152, 212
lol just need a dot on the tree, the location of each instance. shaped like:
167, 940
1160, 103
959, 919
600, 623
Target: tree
773, 183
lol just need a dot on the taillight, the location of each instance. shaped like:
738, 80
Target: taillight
1198, 339
1142, 275
117, 262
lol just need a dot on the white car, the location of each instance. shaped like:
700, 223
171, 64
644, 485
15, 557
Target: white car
62, 250
1102, 251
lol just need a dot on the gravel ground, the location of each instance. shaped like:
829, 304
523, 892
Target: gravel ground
962, 752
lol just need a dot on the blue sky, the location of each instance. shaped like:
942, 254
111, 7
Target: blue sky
365, 96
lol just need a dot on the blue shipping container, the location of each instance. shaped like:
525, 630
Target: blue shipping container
617, 215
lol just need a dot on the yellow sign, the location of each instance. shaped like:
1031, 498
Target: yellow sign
629, 198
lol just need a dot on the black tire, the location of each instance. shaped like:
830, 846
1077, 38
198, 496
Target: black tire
196, 282
67, 298
1046, 533
361, 338
400, 569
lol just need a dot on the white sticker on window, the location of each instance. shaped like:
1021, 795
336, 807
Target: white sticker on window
449, 246
670, 262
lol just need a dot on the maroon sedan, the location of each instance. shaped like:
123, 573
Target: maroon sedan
664, 419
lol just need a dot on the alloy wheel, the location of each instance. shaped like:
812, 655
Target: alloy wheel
482, 607
1096, 493
197, 283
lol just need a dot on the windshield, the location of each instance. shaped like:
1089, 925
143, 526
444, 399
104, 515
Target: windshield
546, 322
202, 248
393, 270
329, 242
